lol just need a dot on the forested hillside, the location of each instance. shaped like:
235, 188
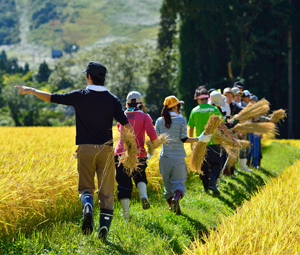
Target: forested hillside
81, 22
9, 26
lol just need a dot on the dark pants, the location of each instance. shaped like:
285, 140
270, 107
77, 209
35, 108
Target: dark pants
124, 180
213, 162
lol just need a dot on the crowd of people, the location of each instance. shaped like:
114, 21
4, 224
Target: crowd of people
95, 108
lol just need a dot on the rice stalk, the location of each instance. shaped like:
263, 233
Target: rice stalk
129, 157
233, 153
277, 115
264, 128
261, 108
162, 138
198, 153
224, 140
267, 224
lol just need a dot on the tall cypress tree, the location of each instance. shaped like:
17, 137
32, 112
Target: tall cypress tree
189, 76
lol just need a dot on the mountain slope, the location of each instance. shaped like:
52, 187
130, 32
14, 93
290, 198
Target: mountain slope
46, 24
54, 22
9, 26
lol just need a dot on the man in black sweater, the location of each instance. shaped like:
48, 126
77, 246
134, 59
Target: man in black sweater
95, 108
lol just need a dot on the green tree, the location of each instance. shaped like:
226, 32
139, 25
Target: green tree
127, 67
3, 55
167, 27
43, 73
251, 35
162, 79
60, 78
26, 68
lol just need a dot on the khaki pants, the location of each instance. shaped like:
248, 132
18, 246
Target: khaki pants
97, 159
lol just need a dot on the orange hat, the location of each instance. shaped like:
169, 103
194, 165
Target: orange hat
171, 101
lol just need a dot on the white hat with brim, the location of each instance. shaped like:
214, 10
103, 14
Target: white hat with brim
246, 93
217, 98
134, 95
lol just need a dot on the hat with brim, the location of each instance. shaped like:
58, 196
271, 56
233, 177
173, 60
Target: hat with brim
238, 84
246, 93
203, 96
96, 69
172, 101
134, 97
253, 97
211, 90
236, 91
227, 91
216, 98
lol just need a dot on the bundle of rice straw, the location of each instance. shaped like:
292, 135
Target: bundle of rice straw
266, 128
232, 154
224, 140
278, 115
162, 138
198, 154
261, 108
129, 157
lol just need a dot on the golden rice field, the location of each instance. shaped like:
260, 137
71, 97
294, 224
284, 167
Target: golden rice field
38, 185
38, 177
267, 224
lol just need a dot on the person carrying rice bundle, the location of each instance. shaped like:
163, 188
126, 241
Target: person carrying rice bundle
255, 155
199, 117
234, 108
95, 108
172, 164
141, 123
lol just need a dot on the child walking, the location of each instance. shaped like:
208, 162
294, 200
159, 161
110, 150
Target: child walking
141, 123
172, 164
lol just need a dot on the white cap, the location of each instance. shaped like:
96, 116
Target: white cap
134, 95
217, 98
246, 93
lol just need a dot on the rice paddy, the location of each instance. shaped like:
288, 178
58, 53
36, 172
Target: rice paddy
38, 187
267, 224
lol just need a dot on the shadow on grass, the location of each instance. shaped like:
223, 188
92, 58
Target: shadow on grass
235, 191
118, 248
198, 225
157, 228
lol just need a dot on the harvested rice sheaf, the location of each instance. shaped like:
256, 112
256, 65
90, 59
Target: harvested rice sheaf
261, 108
233, 153
277, 115
265, 128
224, 140
199, 151
162, 138
129, 157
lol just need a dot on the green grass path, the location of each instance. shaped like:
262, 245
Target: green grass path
157, 230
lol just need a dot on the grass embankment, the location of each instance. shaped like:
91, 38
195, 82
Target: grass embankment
155, 231
268, 224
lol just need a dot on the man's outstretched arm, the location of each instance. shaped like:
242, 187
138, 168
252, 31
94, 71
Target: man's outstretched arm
38, 93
